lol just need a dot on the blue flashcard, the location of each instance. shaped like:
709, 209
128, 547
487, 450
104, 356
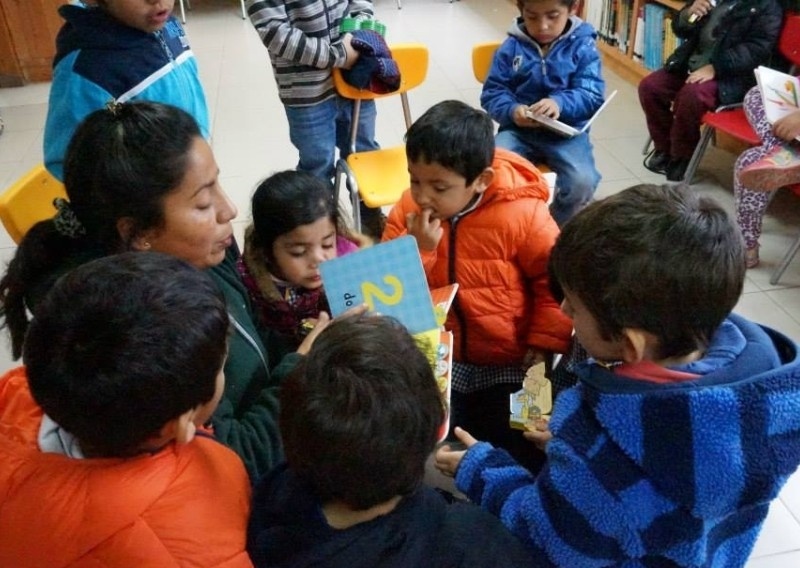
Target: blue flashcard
388, 277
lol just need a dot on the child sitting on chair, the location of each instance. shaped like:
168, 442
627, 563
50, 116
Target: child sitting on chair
296, 226
683, 425
359, 418
103, 456
480, 218
764, 169
549, 64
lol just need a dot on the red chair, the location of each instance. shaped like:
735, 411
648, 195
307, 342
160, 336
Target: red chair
731, 120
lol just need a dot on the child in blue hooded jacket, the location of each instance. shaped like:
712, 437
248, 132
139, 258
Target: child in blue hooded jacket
118, 51
549, 64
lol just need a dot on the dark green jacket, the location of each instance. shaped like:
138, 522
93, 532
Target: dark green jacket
247, 416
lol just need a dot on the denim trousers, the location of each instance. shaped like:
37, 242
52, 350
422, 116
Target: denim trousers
571, 159
318, 130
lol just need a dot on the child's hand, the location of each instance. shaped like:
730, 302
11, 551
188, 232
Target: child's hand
520, 117
547, 107
320, 323
352, 53
427, 231
700, 8
447, 460
787, 127
538, 432
705, 73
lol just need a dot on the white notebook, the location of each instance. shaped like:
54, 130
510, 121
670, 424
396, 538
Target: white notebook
563, 128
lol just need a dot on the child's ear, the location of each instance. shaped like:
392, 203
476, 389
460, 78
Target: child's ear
181, 429
484, 180
636, 344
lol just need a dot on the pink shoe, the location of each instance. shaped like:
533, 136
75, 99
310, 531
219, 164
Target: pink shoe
778, 168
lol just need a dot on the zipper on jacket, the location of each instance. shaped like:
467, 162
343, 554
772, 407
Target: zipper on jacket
160, 35
249, 339
451, 277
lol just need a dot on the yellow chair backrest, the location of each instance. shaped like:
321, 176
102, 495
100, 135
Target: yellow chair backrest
482, 55
29, 200
412, 60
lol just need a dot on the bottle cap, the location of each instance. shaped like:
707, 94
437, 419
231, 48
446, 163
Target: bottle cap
348, 25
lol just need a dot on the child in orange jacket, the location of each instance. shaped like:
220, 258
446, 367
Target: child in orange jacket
102, 456
481, 219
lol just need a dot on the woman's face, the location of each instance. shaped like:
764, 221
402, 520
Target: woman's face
197, 214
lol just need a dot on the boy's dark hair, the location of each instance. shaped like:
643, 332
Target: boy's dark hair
286, 200
124, 344
658, 258
568, 3
359, 416
121, 163
454, 135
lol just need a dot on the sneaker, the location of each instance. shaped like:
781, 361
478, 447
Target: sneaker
778, 168
657, 162
676, 170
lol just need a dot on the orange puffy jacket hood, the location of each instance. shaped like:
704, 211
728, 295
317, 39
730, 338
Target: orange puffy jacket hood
498, 254
183, 506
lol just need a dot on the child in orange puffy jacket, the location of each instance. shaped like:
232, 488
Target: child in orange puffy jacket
102, 457
481, 219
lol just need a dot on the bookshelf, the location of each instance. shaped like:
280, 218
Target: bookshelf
616, 22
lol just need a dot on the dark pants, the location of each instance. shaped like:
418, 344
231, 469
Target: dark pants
673, 109
484, 414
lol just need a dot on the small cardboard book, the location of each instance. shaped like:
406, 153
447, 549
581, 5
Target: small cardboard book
533, 401
390, 279
562, 127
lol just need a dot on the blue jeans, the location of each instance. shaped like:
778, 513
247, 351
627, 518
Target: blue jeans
570, 158
317, 130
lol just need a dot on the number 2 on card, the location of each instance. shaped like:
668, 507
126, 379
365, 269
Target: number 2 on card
372, 292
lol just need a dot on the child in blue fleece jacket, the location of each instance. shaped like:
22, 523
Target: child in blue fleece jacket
118, 50
683, 426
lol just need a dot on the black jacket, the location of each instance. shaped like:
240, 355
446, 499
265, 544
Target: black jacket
751, 29
288, 529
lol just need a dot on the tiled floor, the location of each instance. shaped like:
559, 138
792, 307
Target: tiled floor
250, 140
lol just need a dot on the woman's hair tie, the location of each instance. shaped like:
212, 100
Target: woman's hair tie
65, 220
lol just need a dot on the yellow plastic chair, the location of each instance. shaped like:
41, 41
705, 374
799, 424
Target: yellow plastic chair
379, 177
482, 55
29, 200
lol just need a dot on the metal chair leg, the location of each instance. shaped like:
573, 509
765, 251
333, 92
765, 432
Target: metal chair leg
183, 13
699, 150
244, 10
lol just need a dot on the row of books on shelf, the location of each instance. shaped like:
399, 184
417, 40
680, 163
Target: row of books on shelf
651, 39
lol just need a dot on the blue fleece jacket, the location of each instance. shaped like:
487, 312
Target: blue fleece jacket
569, 73
98, 59
647, 474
